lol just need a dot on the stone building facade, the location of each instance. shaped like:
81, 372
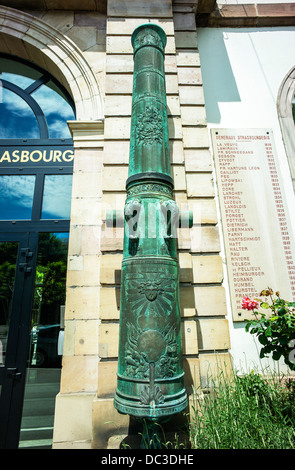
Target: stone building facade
89, 52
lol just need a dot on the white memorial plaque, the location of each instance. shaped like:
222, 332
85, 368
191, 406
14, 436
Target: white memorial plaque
258, 237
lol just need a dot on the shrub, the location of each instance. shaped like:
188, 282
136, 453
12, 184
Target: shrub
244, 412
275, 332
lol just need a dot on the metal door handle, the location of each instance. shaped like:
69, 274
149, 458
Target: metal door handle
24, 267
12, 372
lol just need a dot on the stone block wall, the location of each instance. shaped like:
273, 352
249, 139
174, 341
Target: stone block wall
205, 332
90, 52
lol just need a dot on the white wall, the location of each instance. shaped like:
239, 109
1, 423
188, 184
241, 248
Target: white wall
242, 70
241, 2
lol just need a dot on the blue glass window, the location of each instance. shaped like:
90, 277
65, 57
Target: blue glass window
56, 109
17, 119
16, 196
18, 73
22, 82
32, 104
34, 110
57, 197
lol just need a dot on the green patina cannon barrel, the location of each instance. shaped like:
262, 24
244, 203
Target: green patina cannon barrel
150, 375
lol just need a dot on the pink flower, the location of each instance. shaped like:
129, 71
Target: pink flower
248, 304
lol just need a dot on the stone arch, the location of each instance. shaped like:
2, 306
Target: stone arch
284, 105
31, 38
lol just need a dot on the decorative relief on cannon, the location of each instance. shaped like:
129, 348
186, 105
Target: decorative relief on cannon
150, 375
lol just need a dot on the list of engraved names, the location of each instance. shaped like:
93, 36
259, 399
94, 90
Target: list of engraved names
256, 227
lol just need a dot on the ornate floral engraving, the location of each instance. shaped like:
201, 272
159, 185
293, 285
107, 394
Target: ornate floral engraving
149, 188
146, 396
151, 346
150, 38
149, 126
151, 394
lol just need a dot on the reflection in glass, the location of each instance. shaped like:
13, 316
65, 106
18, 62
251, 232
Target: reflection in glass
17, 120
8, 257
57, 197
56, 109
44, 362
50, 283
18, 73
16, 196
22, 82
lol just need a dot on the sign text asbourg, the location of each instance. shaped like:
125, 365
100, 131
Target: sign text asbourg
30, 156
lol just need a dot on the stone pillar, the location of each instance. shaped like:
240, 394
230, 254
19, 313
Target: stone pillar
73, 413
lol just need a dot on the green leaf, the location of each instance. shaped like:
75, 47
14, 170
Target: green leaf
262, 339
284, 340
248, 326
264, 305
276, 355
282, 311
267, 349
268, 331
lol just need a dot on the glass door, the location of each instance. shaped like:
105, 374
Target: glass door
17, 266
32, 298
36, 166
46, 342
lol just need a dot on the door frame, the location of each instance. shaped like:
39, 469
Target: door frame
13, 372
